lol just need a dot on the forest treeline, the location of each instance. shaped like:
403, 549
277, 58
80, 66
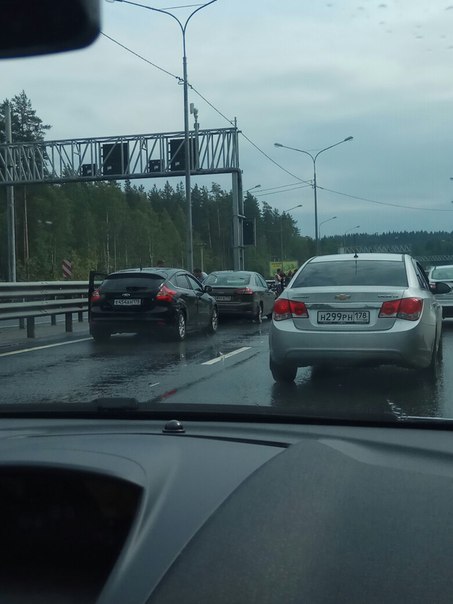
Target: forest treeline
106, 226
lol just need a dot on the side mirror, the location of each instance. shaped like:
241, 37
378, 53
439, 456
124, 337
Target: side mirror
207, 289
31, 28
440, 288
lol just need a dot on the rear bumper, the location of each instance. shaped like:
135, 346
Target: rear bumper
410, 347
146, 323
239, 308
447, 306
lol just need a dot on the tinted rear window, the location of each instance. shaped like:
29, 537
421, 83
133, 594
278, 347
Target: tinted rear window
131, 283
352, 272
443, 272
225, 279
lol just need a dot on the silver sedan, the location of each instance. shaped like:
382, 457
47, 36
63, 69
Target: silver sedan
362, 309
445, 274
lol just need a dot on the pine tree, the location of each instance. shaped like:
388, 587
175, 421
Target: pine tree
26, 126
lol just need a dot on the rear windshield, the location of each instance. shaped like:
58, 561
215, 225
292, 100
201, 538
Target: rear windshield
352, 272
132, 283
443, 273
233, 279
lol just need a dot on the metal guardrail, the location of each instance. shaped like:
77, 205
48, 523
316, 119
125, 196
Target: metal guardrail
27, 301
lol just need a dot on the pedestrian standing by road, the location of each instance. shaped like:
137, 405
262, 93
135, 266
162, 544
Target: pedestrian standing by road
278, 278
289, 276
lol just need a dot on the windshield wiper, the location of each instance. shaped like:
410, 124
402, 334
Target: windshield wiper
444, 422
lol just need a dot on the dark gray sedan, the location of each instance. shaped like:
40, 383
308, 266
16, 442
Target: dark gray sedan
241, 293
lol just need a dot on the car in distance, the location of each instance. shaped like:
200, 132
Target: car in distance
356, 309
444, 274
241, 293
146, 300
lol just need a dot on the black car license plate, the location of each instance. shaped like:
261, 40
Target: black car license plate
127, 302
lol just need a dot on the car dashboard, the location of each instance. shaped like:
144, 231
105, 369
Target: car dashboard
113, 511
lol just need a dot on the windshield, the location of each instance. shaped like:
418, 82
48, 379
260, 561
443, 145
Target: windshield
353, 272
132, 282
228, 279
443, 272
275, 180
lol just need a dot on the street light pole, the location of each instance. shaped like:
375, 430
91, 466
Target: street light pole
187, 158
357, 226
323, 222
245, 195
315, 194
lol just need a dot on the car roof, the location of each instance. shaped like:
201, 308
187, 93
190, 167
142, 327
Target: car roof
359, 256
441, 266
163, 271
232, 271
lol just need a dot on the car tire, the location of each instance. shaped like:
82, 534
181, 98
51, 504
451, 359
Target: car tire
258, 316
283, 373
213, 321
179, 329
433, 369
100, 335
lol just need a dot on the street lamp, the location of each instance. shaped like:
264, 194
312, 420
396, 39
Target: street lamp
357, 226
314, 158
242, 214
352, 228
183, 27
281, 229
324, 222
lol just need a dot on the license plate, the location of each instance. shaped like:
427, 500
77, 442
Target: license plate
127, 302
343, 317
223, 298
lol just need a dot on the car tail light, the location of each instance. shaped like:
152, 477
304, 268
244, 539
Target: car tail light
244, 290
390, 309
95, 296
287, 309
410, 309
405, 308
165, 294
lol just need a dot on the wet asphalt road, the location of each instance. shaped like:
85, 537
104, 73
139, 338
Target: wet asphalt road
230, 367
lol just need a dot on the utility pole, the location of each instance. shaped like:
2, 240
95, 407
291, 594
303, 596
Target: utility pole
10, 211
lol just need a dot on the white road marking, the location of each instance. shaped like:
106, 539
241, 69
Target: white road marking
226, 356
8, 354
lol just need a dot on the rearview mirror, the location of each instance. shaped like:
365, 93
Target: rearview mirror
32, 27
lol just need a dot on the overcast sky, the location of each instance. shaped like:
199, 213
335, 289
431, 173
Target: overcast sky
305, 73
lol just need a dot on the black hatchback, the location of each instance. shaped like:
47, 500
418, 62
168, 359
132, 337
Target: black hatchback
147, 300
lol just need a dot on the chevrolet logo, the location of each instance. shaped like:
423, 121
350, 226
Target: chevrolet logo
126, 295
342, 297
